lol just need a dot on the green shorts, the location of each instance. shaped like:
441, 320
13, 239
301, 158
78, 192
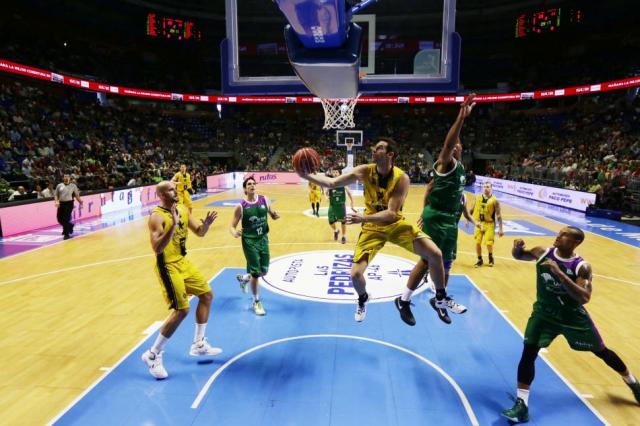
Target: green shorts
256, 251
541, 332
443, 230
336, 213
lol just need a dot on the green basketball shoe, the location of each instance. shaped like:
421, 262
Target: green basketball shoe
519, 413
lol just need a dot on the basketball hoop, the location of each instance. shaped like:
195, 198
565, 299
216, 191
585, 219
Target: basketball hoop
338, 113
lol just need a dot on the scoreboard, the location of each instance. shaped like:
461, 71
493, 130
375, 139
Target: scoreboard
547, 21
172, 28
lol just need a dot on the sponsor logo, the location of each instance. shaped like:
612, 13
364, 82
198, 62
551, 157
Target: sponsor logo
267, 177
325, 276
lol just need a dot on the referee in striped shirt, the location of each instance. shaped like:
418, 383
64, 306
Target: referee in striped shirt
64, 194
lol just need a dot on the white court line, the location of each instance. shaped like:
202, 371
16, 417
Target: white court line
566, 382
633, 283
126, 259
565, 224
452, 382
109, 371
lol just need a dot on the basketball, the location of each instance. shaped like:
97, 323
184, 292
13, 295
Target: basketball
306, 161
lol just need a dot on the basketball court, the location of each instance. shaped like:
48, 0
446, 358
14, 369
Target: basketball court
79, 313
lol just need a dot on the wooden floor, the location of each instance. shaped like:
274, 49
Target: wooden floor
73, 308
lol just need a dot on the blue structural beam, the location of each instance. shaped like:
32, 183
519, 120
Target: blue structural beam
318, 24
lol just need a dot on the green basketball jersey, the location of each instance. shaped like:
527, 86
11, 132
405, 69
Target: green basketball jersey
337, 196
447, 189
553, 300
254, 218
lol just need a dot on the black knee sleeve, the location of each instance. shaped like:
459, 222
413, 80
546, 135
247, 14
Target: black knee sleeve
527, 365
612, 359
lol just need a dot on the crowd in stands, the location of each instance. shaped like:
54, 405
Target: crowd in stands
592, 144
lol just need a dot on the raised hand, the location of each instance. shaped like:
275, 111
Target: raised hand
518, 243
209, 219
174, 213
467, 106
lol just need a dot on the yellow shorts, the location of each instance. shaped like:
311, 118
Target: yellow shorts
371, 240
314, 197
178, 280
487, 233
185, 198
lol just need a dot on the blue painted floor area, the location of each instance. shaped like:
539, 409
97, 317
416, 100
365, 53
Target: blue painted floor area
327, 380
618, 231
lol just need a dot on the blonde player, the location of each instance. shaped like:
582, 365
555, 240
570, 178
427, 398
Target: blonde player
486, 212
184, 187
169, 226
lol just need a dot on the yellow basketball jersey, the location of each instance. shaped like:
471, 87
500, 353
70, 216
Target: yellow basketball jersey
184, 182
376, 193
177, 247
315, 188
485, 209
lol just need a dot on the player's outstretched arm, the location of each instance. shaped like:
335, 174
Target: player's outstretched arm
201, 229
337, 182
453, 136
521, 253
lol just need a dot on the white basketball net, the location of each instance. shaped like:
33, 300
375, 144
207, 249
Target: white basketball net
338, 113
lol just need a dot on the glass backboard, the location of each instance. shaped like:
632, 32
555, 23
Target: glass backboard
410, 46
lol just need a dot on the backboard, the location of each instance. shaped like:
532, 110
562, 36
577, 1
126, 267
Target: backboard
410, 46
353, 137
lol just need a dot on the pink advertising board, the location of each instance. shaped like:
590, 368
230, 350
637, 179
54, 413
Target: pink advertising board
27, 217
234, 180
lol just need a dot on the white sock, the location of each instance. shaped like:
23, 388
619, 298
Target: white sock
199, 335
629, 379
256, 297
406, 295
158, 346
524, 395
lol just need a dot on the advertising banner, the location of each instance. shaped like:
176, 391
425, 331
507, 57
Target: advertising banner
571, 199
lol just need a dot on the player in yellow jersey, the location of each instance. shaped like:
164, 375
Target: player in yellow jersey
168, 228
486, 212
184, 187
315, 194
385, 190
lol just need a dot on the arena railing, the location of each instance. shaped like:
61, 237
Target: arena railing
40, 74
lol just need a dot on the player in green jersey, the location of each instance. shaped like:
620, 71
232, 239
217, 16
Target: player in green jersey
337, 213
563, 287
253, 211
440, 216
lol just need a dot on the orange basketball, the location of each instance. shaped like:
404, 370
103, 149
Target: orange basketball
306, 161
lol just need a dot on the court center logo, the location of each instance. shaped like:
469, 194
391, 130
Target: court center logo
325, 276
